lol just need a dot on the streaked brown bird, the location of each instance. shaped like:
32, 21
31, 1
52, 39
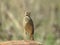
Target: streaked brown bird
28, 26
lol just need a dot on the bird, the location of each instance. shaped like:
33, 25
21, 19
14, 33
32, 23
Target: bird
28, 26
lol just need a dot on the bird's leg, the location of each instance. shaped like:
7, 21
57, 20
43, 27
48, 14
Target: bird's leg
25, 38
31, 37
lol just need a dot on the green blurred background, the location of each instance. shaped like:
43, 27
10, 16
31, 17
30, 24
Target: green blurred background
44, 13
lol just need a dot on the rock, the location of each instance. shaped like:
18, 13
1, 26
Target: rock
22, 42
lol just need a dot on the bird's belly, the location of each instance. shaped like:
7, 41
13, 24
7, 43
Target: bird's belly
28, 27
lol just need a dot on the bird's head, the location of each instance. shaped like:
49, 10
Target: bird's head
27, 13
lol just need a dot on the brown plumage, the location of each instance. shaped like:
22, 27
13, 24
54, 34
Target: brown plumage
28, 25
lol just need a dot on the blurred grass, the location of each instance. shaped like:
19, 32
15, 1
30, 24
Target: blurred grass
43, 15
50, 39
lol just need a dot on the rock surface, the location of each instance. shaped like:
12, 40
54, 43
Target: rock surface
22, 42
